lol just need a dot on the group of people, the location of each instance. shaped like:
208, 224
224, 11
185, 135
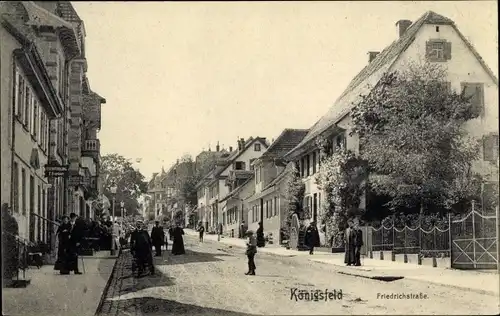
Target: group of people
158, 239
70, 234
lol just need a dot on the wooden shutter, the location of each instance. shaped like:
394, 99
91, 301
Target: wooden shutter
447, 50
490, 147
475, 92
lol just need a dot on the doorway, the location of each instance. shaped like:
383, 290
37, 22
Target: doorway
32, 217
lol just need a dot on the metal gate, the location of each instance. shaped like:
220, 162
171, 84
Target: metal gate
474, 242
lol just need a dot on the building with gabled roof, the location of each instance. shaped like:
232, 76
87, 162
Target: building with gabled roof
432, 38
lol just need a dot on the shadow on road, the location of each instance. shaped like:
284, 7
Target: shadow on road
156, 306
189, 257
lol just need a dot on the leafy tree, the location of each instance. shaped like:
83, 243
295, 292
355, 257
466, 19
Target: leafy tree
295, 190
411, 128
129, 182
342, 177
179, 217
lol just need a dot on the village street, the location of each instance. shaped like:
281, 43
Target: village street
210, 280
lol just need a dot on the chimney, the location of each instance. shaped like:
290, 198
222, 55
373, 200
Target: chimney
239, 144
403, 25
372, 56
217, 148
230, 148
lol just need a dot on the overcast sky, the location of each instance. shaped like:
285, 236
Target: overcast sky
179, 77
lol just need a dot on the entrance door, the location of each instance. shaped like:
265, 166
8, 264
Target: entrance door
261, 219
315, 207
31, 217
39, 212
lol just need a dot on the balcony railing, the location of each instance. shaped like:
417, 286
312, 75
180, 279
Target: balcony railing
92, 145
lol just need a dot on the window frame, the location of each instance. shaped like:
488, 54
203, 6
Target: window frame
257, 147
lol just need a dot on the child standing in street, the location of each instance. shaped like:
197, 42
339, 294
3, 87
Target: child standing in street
251, 251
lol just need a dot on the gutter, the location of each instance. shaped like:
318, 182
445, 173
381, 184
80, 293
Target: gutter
13, 133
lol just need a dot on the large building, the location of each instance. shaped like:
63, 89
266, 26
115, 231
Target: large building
433, 38
50, 117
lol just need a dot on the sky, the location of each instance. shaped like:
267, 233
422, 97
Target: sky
179, 77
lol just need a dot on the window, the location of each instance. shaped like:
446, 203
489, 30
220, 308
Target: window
35, 131
341, 141
23, 191
438, 50
15, 188
314, 162
251, 161
302, 167
308, 165
20, 92
474, 91
256, 147
276, 205
267, 209
39, 212
490, 147
271, 208
27, 109
239, 165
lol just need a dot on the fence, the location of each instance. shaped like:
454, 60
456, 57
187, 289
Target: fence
469, 242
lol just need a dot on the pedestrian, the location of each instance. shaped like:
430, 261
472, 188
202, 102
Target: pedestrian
201, 231
312, 237
141, 247
178, 244
250, 252
116, 235
358, 243
10, 253
349, 242
219, 231
63, 234
261, 241
75, 239
243, 228
171, 232
158, 237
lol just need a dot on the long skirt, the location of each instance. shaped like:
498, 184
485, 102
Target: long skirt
178, 246
350, 254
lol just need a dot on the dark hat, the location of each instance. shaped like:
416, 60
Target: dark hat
72, 215
64, 216
157, 222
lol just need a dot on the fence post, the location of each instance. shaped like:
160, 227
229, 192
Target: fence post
474, 234
405, 256
393, 254
498, 235
450, 240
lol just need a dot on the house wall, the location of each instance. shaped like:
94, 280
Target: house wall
239, 201
462, 67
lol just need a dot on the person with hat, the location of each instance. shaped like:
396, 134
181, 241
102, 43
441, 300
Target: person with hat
312, 237
141, 247
157, 237
251, 251
62, 234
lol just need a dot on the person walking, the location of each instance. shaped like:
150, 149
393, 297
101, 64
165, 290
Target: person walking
201, 231
157, 237
358, 243
63, 234
251, 252
75, 239
312, 237
10, 253
219, 231
261, 241
349, 241
141, 246
178, 243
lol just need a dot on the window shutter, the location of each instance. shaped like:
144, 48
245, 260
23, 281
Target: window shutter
475, 93
447, 50
428, 49
490, 148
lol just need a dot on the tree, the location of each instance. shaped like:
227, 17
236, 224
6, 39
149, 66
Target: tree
295, 190
411, 129
342, 177
129, 182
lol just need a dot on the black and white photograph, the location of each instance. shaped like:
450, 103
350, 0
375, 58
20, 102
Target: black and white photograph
236, 158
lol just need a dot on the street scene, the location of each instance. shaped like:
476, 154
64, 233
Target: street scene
249, 158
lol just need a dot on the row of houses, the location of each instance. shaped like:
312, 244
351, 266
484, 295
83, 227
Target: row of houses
248, 184
50, 117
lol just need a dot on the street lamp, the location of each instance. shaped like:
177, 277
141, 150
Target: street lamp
122, 206
113, 190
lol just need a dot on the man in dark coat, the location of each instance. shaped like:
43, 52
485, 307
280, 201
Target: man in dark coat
349, 241
10, 256
312, 237
157, 237
201, 231
261, 241
75, 238
358, 243
141, 246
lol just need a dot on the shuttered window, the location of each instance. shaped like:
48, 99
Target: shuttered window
438, 50
490, 147
474, 91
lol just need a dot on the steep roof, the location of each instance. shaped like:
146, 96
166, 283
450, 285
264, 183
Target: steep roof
374, 70
287, 140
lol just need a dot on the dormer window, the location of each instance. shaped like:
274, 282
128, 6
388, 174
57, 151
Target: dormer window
256, 147
239, 165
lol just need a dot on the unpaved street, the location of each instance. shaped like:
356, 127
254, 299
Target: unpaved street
210, 280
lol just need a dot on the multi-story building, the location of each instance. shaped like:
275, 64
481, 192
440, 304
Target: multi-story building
432, 38
215, 182
268, 204
41, 43
157, 192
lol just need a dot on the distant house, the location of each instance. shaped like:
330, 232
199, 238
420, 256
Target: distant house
268, 204
213, 186
432, 38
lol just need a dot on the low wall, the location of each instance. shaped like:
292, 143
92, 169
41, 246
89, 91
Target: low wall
412, 259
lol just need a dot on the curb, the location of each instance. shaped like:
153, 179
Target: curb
462, 288
106, 287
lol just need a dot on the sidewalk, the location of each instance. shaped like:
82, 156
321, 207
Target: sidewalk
53, 294
481, 282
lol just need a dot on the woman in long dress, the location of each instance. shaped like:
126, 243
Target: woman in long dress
63, 233
178, 243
